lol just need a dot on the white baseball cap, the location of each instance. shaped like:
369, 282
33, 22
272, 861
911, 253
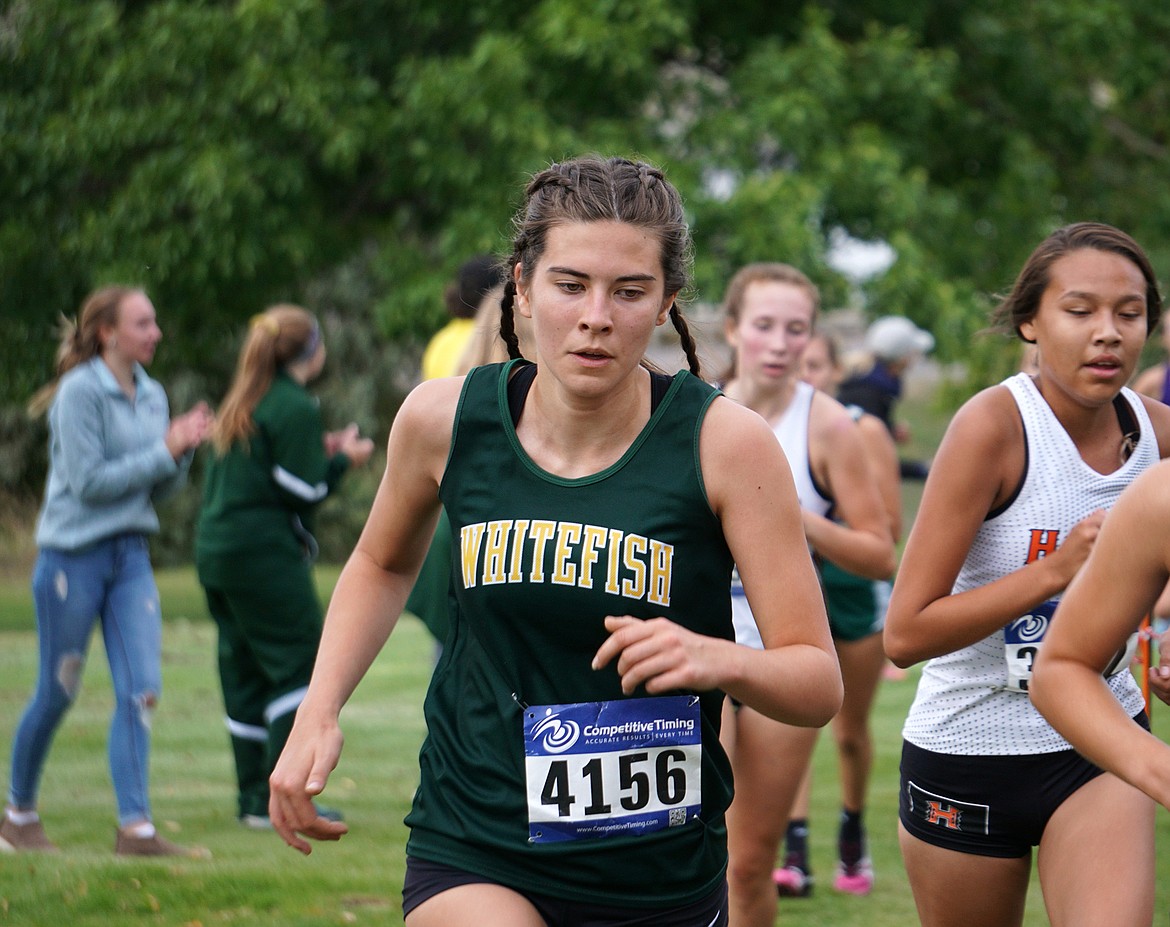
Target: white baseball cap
895, 337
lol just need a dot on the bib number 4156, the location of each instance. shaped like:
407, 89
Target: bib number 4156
638, 781
633, 775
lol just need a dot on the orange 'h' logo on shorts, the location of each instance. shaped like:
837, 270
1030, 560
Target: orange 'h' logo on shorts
1042, 543
948, 816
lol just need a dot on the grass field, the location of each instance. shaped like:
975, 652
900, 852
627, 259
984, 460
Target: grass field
252, 878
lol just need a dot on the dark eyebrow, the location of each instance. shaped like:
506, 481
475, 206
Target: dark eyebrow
628, 278
1077, 294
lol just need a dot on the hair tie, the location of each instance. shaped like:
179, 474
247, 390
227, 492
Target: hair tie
267, 322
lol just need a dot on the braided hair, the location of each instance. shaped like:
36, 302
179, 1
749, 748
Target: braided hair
593, 189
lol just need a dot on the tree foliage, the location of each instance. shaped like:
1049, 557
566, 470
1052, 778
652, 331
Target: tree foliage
227, 153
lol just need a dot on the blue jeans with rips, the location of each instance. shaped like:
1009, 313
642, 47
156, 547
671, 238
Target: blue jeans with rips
111, 582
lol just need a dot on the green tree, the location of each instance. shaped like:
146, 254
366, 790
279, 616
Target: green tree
961, 134
212, 153
227, 154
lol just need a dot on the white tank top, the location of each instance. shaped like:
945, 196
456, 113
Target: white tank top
974, 701
791, 430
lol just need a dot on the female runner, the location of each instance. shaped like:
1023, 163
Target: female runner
572, 772
857, 612
770, 312
1012, 507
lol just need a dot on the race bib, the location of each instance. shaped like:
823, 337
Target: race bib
1021, 643
604, 769
1022, 640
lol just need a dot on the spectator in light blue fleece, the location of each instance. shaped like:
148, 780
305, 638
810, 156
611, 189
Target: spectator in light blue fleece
113, 452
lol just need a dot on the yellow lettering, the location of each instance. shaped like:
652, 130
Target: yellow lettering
635, 549
495, 552
612, 562
568, 535
594, 539
541, 533
636, 567
470, 540
520, 529
661, 557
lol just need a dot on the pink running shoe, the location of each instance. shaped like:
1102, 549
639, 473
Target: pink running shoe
792, 882
856, 879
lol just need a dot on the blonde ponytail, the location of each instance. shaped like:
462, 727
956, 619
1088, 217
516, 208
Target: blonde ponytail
277, 336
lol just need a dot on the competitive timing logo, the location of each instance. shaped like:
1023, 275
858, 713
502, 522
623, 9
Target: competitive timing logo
1030, 628
556, 735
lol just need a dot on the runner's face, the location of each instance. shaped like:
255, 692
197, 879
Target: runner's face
1090, 325
135, 334
816, 367
773, 329
594, 298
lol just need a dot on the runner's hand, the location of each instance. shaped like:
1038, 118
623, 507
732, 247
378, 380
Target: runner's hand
300, 775
1074, 551
658, 654
1160, 674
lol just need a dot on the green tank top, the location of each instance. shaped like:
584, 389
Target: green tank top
538, 562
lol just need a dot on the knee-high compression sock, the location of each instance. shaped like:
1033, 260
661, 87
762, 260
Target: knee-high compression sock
851, 837
796, 844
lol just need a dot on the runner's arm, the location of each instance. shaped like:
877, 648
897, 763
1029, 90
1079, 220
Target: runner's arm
366, 603
979, 464
1119, 583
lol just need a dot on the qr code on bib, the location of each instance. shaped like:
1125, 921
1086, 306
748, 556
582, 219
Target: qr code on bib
677, 816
